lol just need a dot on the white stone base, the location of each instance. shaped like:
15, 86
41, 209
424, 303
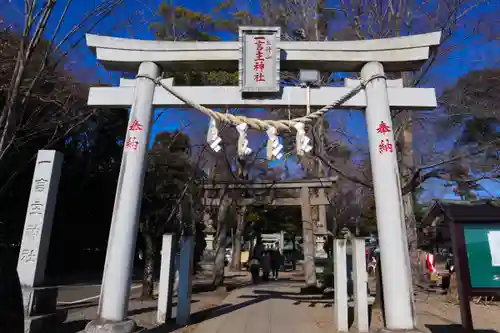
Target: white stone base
103, 326
40, 314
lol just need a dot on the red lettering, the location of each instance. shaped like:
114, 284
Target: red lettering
259, 61
259, 56
132, 143
259, 77
385, 147
383, 128
259, 66
135, 126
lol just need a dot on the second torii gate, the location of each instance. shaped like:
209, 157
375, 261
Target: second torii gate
314, 228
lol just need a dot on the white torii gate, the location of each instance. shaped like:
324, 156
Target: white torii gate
150, 58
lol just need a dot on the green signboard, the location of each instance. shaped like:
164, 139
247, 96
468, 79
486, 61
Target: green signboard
482, 243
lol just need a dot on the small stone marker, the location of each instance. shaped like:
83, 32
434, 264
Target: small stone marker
360, 285
39, 303
167, 276
340, 284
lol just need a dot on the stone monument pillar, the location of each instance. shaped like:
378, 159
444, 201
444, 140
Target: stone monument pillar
167, 277
39, 301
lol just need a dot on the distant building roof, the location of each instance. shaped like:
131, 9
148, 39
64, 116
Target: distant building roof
473, 211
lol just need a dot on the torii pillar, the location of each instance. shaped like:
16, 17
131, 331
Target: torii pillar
116, 282
397, 288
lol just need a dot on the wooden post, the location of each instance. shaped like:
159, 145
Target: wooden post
462, 275
308, 234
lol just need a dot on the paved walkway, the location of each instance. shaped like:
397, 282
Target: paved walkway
278, 307
273, 307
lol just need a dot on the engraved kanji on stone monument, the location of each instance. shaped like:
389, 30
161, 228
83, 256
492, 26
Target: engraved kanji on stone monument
39, 215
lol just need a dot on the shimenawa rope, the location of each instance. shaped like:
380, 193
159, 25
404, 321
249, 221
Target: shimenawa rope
259, 124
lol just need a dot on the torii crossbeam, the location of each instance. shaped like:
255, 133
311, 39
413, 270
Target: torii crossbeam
220, 97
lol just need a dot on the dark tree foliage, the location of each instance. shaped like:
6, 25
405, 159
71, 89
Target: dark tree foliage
55, 116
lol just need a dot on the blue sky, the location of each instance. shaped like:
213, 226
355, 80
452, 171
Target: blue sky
468, 52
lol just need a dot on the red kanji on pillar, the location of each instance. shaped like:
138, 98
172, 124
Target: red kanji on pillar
132, 143
385, 147
135, 126
383, 128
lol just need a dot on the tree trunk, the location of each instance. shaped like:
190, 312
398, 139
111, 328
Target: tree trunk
150, 245
240, 227
220, 247
7, 119
407, 166
379, 296
411, 236
308, 248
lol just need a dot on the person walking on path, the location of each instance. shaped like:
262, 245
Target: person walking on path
256, 261
259, 249
266, 265
276, 261
254, 265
